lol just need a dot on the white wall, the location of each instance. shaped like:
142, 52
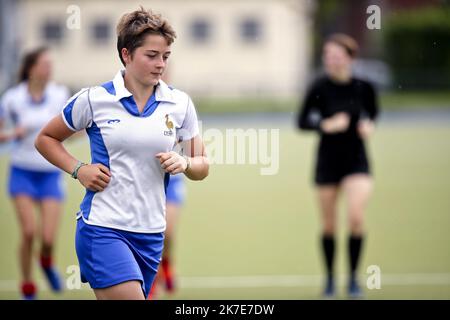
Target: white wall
275, 66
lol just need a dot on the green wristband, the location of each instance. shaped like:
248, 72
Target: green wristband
75, 171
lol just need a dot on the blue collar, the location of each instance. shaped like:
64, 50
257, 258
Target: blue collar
131, 106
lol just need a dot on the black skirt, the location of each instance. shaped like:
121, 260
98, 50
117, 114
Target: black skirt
339, 156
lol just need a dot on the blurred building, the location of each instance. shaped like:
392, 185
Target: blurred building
229, 48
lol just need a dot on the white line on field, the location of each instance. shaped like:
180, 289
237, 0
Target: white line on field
278, 281
308, 280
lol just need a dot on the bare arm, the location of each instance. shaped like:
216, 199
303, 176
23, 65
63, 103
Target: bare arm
199, 164
4, 137
338, 122
49, 144
18, 133
194, 150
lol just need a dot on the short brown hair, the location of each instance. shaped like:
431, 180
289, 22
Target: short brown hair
28, 62
348, 43
134, 26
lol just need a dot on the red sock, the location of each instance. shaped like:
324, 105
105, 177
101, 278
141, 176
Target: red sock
167, 272
46, 261
165, 264
152, 293
28, 288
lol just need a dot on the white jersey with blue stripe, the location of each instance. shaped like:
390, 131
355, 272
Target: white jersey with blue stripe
19, 109
127, 141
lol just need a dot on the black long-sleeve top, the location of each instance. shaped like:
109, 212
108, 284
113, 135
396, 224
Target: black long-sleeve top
326, 98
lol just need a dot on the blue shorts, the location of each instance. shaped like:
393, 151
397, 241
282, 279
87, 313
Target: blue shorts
37, 184
110, 256
176, 190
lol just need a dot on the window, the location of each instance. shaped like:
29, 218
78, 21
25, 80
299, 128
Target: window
52, 31
250, 30
200, 31
100, 32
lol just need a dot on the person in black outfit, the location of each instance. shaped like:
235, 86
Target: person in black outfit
342, 109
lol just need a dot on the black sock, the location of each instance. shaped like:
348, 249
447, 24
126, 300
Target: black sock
354, 247
328, 250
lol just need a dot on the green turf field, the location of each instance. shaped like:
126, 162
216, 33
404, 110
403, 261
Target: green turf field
246, 236
390, 100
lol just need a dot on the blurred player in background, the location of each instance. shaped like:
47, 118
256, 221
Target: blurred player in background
342, 109
175, 196
33, 181
133, 123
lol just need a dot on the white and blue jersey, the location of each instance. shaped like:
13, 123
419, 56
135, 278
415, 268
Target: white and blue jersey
19, 109
30, 174
126, 142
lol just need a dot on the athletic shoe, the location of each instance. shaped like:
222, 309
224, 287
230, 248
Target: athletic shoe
354, 290
53, 279
329, 292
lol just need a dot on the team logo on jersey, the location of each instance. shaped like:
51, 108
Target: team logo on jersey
169, 125
113, 121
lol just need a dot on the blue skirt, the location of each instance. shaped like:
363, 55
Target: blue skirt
109, 256
37, 184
